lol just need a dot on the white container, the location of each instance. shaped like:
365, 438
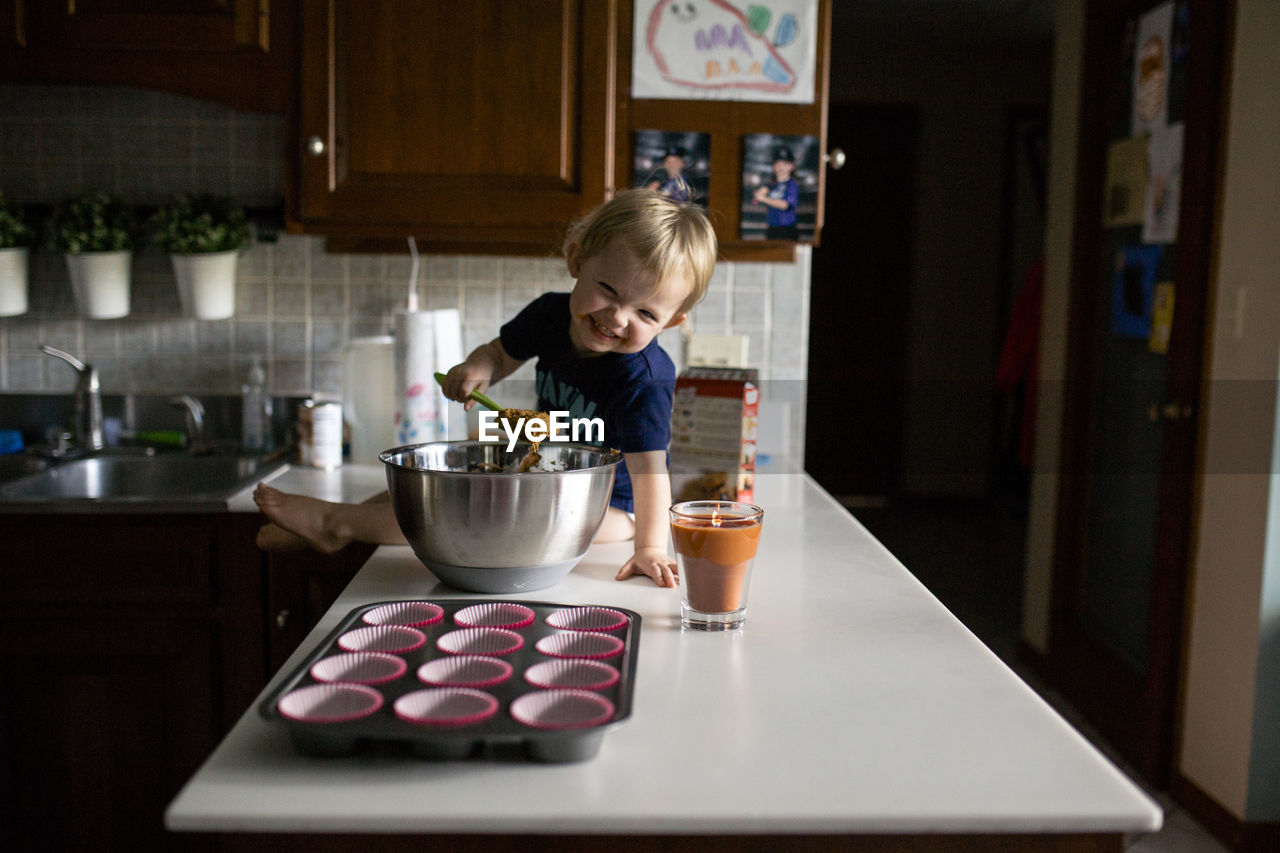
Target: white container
206, 283
100, 282
369, 396
13, 281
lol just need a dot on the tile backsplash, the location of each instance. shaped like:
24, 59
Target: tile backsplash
296, 305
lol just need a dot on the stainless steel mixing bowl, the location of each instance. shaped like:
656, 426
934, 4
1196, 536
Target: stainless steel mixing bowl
504, 531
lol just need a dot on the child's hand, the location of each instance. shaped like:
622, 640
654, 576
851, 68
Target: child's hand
487, 364
461, 380
653, 562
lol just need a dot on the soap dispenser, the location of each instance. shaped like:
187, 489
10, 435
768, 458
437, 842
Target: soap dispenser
255, 409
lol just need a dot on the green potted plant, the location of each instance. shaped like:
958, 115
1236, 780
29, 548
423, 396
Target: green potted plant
15, 241
97, 233
203, 235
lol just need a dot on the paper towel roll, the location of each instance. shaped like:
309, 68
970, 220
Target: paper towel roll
426, 342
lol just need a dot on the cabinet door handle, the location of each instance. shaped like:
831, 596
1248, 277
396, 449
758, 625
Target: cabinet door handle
315, 146
282, 618
836, 158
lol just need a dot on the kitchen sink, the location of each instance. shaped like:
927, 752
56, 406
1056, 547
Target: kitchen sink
15, 465
173, 480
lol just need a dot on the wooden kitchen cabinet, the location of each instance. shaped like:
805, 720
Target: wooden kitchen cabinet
726, 122
235, 52
487, 127
127, 650
301, 587
480, 126
130, 643
105, 720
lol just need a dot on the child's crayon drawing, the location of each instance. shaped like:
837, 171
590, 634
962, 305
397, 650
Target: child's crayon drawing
723, 50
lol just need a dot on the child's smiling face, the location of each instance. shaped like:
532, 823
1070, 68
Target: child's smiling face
616, 306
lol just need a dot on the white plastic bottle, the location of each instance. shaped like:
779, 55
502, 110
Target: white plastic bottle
255, 411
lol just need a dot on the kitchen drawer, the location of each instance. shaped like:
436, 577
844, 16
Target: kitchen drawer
109, 558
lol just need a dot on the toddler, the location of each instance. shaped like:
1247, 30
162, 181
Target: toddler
641, 261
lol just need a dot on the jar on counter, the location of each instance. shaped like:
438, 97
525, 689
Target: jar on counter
320, 434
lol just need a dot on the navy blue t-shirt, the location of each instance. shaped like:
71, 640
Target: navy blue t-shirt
631, 393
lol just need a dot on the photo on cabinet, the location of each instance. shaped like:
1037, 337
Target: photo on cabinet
779, 187
675, 164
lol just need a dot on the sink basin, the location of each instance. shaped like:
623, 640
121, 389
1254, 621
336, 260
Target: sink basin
176, 481
13, 466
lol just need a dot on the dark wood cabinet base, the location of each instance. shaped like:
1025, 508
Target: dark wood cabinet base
130, 643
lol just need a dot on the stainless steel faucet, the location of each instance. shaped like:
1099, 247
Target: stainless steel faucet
194, 411
88, 421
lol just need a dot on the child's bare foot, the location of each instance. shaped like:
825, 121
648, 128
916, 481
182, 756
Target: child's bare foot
273, 537
308, 519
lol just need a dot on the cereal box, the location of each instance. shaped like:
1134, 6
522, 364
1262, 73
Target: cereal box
713, 434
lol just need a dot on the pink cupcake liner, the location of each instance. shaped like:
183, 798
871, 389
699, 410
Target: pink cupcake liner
329, 703
577, 674
382, 638
480, 641
359, 668
465, 671
580, 645
587, 619
446, 706
497, 614
412, 613
562, 709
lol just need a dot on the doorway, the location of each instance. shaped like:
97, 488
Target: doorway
859, 300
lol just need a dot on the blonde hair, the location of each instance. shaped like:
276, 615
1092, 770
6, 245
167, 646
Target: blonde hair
665, 236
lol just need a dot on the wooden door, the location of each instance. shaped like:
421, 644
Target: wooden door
859, 298
478, 122
1131, 416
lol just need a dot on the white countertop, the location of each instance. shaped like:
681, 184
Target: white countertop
851, 702
347, 484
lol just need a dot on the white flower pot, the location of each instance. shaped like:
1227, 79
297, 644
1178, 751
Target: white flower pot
100, 282
13, 281
207, 284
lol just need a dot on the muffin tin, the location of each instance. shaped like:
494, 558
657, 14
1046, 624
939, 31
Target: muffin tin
453, 678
